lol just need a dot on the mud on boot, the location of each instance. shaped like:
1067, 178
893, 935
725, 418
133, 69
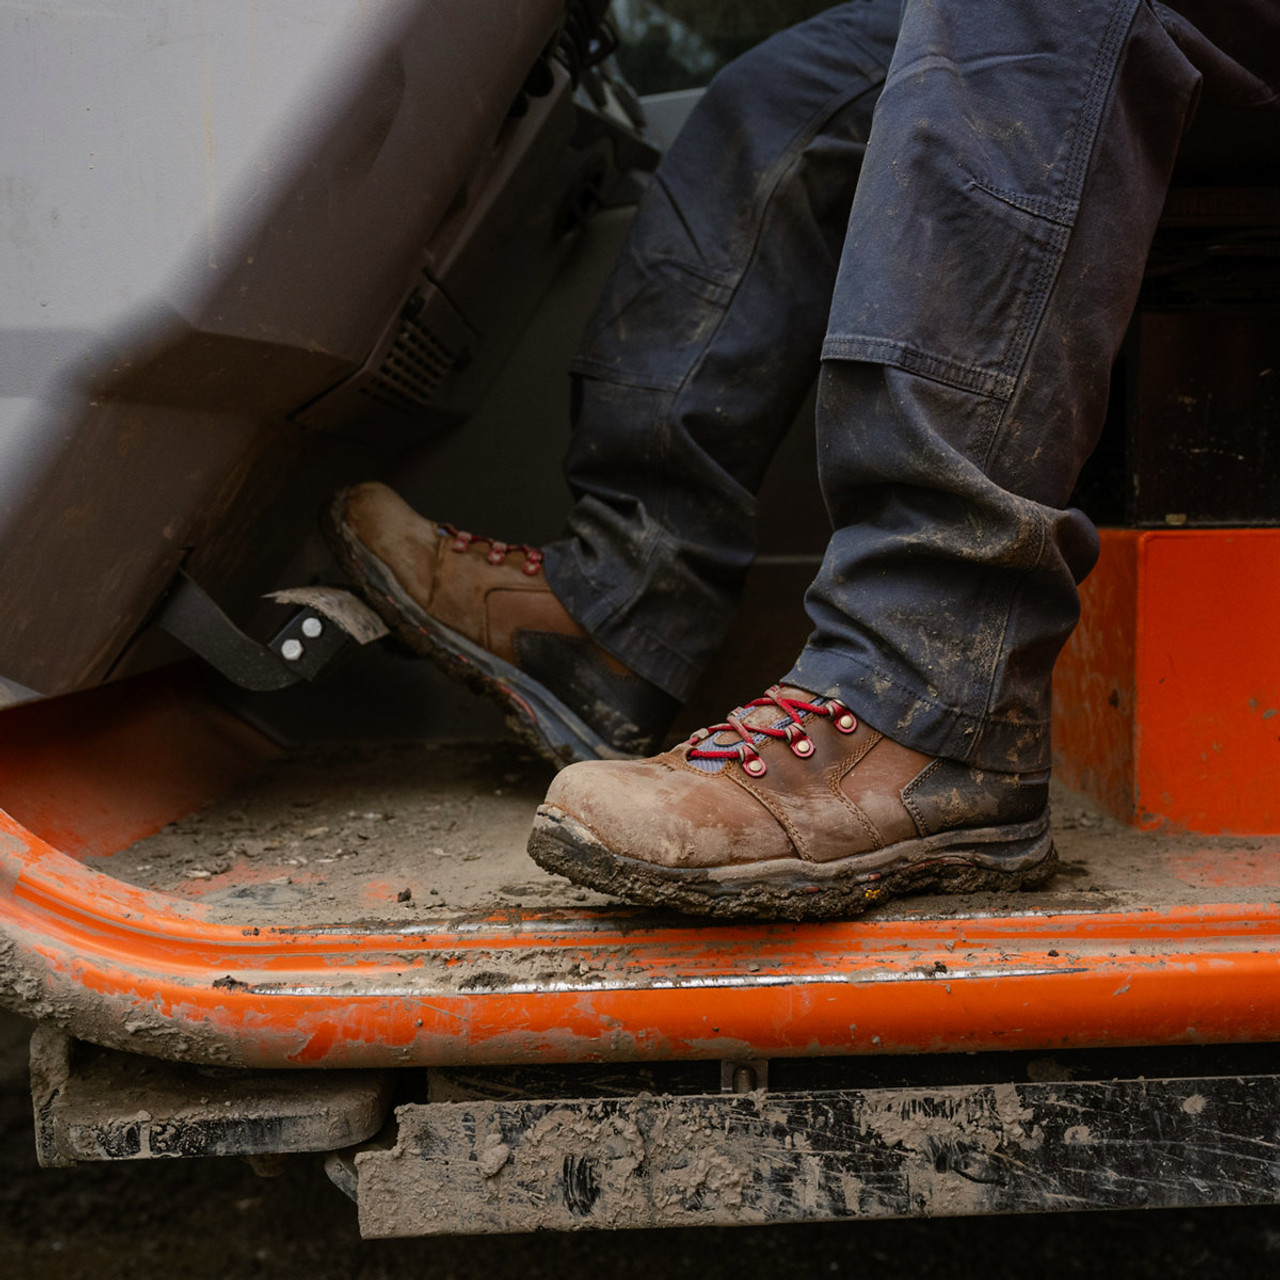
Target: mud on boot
793, 809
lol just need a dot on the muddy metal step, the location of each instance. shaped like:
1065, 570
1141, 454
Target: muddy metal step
296, 945
566, 1164
93, 1105
489, 1150
292, 924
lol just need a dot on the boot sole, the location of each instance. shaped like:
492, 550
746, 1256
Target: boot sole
533, 713
998, 859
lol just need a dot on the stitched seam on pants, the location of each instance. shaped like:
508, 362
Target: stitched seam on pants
607, 605
1014, 592
1050, 209
1011, 600
1015, 595
786, 164
1102, 78
730, 281
964, 377
720, 285
618, 378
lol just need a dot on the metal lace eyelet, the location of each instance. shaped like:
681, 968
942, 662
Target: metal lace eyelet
755, 767
846, 723
802, 747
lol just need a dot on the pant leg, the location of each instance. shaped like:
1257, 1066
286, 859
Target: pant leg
707, 339
1014, 177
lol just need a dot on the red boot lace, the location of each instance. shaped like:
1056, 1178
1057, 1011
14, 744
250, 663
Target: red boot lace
498, 551
792, 733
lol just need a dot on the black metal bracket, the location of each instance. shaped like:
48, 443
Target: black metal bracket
325, 623
309, 642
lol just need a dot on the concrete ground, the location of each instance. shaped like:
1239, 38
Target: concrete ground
216, 1218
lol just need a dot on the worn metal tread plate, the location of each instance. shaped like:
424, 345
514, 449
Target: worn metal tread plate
717, 1160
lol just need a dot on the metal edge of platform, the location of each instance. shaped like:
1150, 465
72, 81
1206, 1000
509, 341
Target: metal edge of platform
136, 970
94, 1105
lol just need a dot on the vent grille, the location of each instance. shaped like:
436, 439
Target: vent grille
414, 368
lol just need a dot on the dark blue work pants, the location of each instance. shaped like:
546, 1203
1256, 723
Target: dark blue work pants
946, 205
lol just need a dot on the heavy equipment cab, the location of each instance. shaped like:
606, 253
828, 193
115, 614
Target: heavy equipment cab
259, 889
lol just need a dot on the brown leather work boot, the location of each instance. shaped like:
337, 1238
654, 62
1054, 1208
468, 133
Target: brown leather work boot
484, 611
792, 809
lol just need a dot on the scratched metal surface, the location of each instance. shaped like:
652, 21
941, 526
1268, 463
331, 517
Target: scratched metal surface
712, 1160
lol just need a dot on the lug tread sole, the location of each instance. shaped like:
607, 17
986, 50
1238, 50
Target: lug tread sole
948, 864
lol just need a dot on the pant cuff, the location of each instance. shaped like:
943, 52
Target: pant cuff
914, 719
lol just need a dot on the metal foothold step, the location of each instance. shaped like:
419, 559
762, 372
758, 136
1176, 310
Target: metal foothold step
657, 1161
94, 1104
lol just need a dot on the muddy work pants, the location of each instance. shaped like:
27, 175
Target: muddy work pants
942, 208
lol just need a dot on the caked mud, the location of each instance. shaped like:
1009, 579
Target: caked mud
395, 834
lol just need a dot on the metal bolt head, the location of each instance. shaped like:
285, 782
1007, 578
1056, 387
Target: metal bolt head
291, 650
312, 627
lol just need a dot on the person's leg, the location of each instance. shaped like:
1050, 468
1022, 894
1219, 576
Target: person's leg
968, 355
704, 343
1015, 172
707, 338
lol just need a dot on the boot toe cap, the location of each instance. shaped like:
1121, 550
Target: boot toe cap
651, 812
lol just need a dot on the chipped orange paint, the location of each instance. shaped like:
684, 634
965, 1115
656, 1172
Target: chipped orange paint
155, 973
136, 969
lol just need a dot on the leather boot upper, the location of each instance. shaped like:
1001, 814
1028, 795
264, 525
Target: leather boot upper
496, 596
478, 588
854, 792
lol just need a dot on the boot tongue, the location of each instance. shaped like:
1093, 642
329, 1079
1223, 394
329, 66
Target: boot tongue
768, 716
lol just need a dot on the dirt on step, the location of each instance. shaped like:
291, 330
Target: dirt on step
418, 833
397, 833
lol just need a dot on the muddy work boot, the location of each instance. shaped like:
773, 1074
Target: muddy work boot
792, 809
484, 611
